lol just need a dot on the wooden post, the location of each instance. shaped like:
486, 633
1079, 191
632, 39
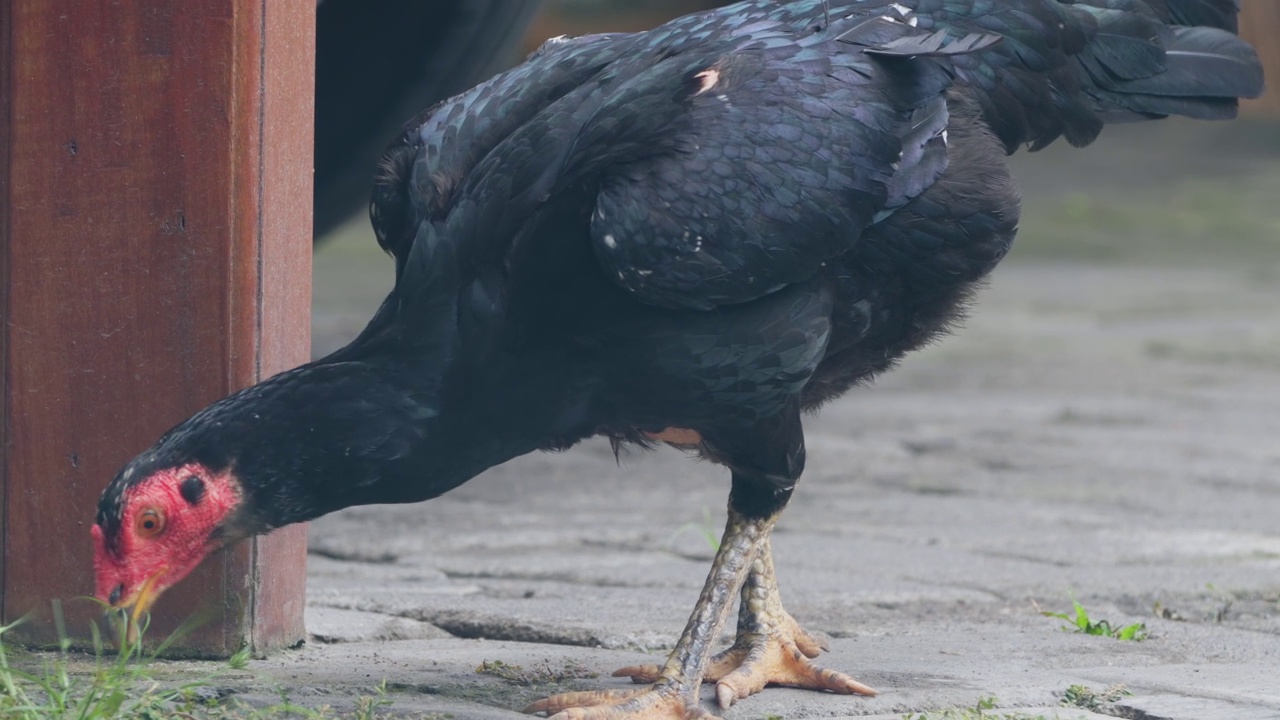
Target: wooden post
155, 185
1259, 23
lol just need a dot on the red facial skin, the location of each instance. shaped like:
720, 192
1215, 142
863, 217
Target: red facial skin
169, 553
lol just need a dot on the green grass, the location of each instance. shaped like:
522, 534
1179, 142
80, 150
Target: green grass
706, 529
1218, 219
124, 686
1081, 622
1076, 696
1174, 193
984, 709
118, 687
1086, 698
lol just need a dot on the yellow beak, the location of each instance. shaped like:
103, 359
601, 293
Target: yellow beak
145, 599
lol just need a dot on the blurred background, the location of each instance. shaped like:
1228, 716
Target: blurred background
1165, 193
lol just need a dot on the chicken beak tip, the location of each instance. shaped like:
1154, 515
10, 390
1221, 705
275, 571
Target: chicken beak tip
146, 598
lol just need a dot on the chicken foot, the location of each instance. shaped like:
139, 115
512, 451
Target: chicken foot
771, 648
674, 692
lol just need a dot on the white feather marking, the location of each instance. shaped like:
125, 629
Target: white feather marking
709, 78
610, 242
906, 13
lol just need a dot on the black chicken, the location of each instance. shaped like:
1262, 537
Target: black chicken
689, 235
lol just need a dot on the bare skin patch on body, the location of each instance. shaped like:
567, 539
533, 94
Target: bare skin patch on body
677, 436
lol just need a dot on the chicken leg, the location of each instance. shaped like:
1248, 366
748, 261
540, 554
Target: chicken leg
674, 692
771, 648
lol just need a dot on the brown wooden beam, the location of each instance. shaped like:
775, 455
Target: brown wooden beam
6, 72
1259, 24
156, 256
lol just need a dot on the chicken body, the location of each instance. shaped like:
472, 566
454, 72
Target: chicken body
694, 234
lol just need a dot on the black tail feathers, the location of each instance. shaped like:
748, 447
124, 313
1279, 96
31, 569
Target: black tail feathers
1136, 66
1219, 14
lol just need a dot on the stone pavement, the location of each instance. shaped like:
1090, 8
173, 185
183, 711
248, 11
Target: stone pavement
1108, 431
1110, 434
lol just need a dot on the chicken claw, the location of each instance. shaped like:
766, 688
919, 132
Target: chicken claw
777, 660
751, 664
656, 703
771, 648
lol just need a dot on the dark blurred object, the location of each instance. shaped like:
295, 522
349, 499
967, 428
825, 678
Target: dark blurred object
379, 63
623, 7
1260, 25
582, 17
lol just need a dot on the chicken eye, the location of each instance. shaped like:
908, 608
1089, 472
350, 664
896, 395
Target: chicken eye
150, 523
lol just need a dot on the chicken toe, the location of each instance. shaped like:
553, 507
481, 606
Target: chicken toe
660, 702
771, 648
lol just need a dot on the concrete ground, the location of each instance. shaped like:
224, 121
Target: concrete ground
1106, 427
